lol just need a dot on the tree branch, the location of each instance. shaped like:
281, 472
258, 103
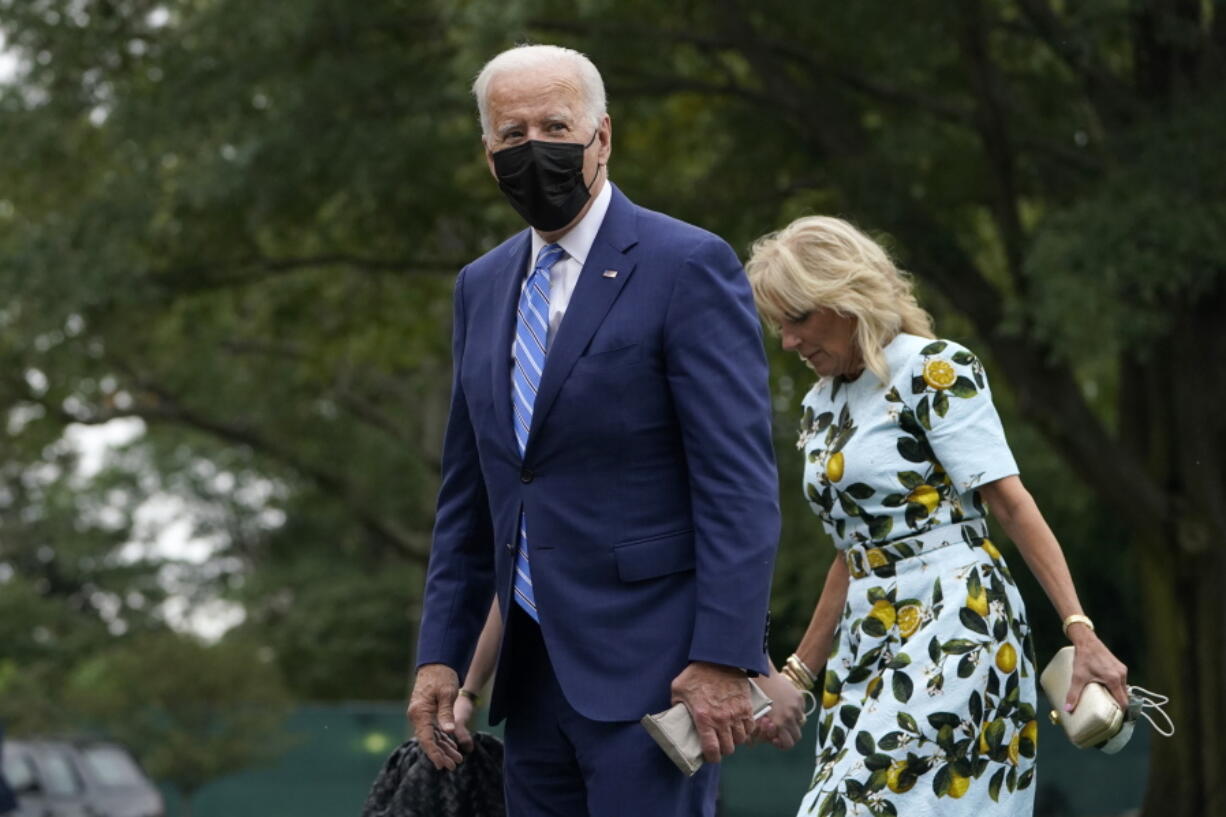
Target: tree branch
256, 270
992, 125
160, 407
1110, 98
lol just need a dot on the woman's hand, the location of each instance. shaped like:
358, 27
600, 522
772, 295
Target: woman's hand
463, 713
1092, 661
781, 726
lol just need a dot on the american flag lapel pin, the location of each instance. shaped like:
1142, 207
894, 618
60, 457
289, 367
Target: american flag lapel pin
610, 273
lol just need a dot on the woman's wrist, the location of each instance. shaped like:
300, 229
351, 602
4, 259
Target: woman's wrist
470, 695
1077, 627
798, 672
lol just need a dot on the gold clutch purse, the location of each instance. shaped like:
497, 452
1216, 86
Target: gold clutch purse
1098, 720
1097, 717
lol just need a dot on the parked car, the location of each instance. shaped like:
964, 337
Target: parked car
79, 778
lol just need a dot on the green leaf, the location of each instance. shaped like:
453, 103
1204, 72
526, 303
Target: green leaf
811, 492
890, 741
915, 513
879, 527
941, 403
893, 396
957, 646
936, 347
945, 739
903, 687
872, 627
908, 423
963, 358
921, 411
976, 707
905, 721
972, 621
823, 421
918, 386
910, 480
861, 672
995, 733
940, 783
849, 505
848, 714
840, 808
938, 719
934, 649
973, 585
875, 594
894, 500
966, 667
899, 661
994, 786
859, 490
865, 744
855, 790
877, 762
963, 387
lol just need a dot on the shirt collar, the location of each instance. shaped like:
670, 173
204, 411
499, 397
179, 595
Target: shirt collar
578, 240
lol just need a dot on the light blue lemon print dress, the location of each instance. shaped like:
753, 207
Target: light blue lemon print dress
927, 704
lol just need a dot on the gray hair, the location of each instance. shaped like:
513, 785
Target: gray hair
527, 57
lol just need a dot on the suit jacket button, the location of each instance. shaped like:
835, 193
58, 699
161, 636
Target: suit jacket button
510, 546
526, 476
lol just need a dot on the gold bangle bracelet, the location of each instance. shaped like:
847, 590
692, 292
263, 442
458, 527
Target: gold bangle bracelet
792, 675
794, 661
470, 695
1076, 618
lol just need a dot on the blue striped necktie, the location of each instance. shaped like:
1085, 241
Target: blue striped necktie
528, 354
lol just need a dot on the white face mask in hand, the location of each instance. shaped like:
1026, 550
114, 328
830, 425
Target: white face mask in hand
1140, 700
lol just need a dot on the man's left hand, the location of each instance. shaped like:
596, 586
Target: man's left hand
718, 699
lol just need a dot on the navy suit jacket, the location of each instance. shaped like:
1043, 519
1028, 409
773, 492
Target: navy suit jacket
648, 483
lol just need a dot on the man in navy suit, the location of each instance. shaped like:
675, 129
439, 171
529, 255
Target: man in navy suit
607, 471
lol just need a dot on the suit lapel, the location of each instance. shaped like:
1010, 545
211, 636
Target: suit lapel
512, 276
589, 303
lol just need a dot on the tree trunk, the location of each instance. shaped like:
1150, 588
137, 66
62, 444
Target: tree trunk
1174, 416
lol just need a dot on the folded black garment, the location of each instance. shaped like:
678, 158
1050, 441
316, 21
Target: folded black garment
410, 786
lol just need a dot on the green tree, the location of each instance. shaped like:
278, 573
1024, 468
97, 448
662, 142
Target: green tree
191, 712
237, 221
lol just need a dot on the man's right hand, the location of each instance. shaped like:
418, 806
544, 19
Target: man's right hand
431, 709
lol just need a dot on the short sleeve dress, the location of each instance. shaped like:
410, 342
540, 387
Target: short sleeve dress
927, 702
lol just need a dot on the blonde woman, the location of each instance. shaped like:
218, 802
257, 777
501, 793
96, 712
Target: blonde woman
919, 645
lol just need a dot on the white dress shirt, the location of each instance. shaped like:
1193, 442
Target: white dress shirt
578, 243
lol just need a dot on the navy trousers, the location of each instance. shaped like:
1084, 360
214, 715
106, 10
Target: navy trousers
560, 764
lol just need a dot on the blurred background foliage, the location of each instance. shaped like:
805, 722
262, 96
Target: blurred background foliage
229, 229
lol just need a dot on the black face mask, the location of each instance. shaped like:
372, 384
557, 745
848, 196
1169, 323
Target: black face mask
544, 181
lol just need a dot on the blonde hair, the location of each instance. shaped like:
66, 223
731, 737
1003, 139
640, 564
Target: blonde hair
821, 262
534, 57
